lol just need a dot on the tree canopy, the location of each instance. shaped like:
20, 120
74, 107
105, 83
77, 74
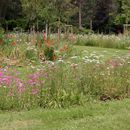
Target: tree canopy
99, 15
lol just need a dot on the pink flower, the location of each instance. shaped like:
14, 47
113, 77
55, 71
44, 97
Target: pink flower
5, 80
35, 91
31, 82
33, 79
20, 88
1, 74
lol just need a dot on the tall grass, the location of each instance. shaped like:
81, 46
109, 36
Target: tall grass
105, 41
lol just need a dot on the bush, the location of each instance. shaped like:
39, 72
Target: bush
85, 31
2, 30
31, 55
49, 53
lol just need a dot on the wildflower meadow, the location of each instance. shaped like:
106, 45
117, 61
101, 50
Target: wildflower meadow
36, 71
64, 64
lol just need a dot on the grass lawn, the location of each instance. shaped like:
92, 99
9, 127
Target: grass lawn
107, 52
114, 115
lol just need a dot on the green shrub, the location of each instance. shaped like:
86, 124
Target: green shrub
85, 31
49, 53
2, 30
31, 53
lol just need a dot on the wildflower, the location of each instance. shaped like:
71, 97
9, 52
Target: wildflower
54, 57
60, 60
35, 91
4, 86
74, 57
5, 80
33, 67
1, 74
20, 88
13, 43
50, 42
73, 65
1, 41
65, 47
61, 50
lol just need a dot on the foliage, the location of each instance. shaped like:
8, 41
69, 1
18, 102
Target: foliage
49, 53
100, 15
1, 31
85, 31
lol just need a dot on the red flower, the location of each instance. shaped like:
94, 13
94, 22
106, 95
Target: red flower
1, 41
14, 43
54, 57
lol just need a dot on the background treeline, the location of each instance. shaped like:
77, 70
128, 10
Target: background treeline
99, 15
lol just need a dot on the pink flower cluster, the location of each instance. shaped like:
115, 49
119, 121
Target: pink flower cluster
16, 85
4, 80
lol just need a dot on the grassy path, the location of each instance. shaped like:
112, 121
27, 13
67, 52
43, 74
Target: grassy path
107, 52
114, 115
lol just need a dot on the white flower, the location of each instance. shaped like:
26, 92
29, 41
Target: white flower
4, 86
32, 67
74, 57
60, 61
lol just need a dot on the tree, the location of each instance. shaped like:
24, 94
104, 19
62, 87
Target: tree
102, 14
79, 4
31, 10
124, 13
3, 8
64, 10
89, 13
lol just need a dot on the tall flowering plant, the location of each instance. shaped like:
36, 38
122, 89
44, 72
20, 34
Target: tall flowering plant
49, 48
19, 91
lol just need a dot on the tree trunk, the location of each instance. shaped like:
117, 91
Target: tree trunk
80, 15
91, 24
49, 31
46, 30
59, 30
3, 8
37, 25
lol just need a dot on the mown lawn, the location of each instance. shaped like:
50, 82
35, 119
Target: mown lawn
107, 52
114, 115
